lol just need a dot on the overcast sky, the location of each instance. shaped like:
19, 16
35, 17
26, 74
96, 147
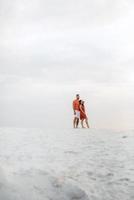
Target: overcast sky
52, 49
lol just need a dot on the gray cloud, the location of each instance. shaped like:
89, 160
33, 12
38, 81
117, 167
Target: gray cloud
54, 48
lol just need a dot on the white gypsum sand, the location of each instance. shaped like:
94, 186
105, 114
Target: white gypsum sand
66, 164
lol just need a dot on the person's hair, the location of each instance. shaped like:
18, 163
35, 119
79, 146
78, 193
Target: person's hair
80, 101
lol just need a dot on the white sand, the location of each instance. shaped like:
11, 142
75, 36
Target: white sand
66, 164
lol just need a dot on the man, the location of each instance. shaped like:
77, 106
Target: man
76, 110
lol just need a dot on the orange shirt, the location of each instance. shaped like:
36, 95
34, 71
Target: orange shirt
76, 105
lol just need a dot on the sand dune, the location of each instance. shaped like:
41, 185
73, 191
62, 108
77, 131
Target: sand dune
68, 164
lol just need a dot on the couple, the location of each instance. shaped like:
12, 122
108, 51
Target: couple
79, 112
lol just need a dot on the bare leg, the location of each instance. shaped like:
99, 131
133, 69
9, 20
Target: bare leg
82, 123
87, 123
74, 122
77, 122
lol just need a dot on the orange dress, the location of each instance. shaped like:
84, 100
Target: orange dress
82, 115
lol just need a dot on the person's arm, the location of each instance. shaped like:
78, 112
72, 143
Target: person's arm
74, 108
82, 110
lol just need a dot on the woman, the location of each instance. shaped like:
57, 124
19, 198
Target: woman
83, 114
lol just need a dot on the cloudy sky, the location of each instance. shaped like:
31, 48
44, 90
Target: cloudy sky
52, 49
